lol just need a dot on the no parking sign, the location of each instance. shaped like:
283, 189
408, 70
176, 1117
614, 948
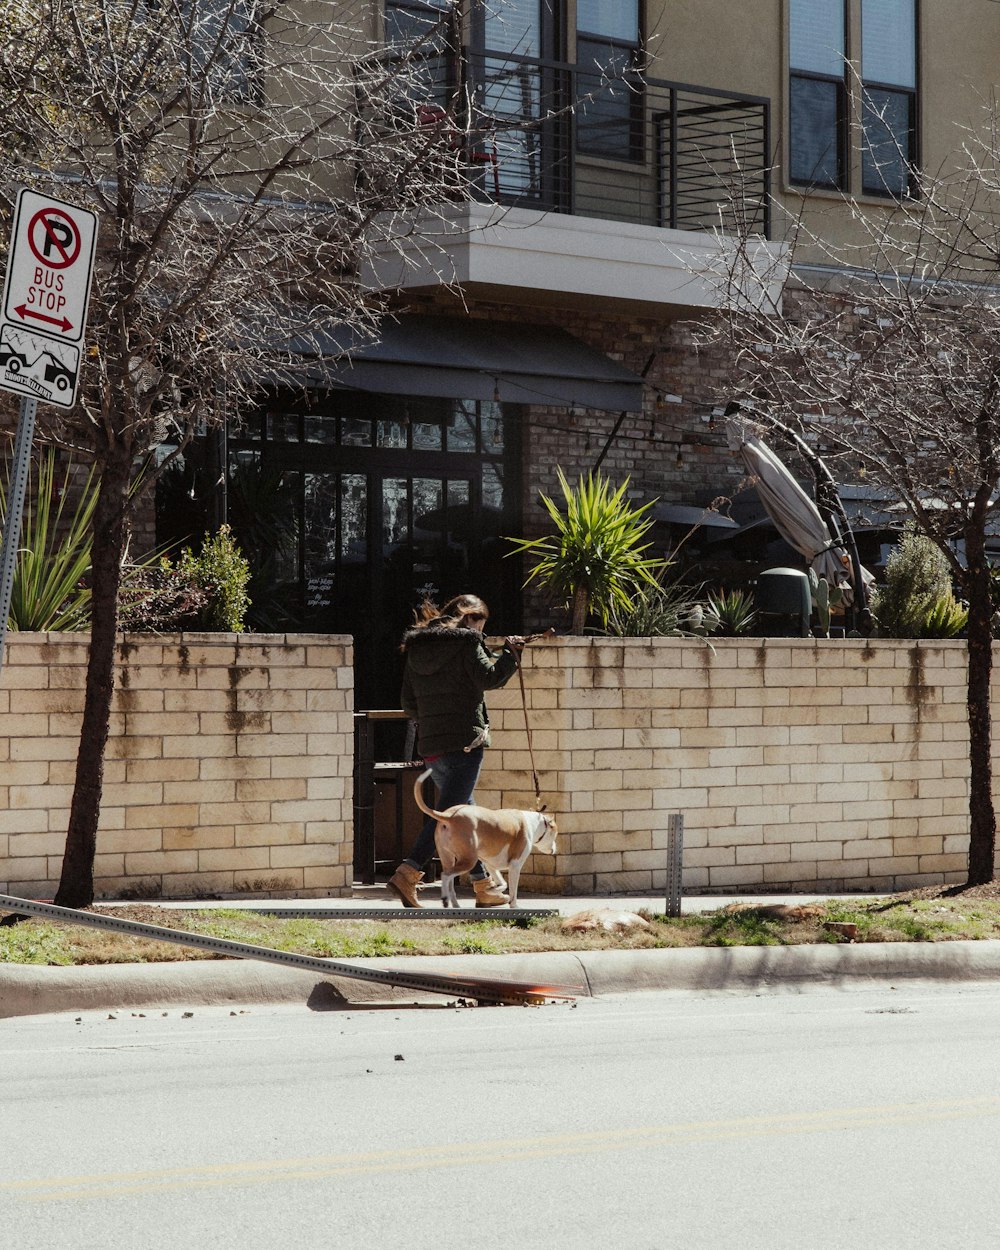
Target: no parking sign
42, 320
45, 298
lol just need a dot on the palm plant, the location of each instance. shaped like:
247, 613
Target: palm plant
54, 557
594, 562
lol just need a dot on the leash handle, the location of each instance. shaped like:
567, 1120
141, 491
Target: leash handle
546, 633
527, 729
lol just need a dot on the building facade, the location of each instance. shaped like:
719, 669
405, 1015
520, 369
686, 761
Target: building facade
545, 318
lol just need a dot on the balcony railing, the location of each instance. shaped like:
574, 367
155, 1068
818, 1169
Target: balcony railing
555, 137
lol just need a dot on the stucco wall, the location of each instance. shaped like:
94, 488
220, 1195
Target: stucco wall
228, 768
797, 764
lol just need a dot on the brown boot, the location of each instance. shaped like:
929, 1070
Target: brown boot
404, 882
487, 895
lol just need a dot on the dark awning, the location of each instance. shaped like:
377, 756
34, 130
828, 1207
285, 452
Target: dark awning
680, 514
462, 358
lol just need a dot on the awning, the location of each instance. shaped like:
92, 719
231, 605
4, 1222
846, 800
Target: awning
463, 358
681, 514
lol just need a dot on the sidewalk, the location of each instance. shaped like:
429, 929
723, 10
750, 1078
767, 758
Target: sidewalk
34, 990
379, 897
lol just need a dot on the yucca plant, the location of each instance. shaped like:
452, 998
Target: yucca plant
674, 610
732, 611
945, 617
594, 562
53, 559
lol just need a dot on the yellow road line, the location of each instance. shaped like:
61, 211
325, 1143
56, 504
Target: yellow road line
463, 1154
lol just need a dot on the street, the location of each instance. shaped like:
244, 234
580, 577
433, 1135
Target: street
864, 1118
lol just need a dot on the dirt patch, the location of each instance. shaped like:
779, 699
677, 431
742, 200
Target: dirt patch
143, 914
990, 890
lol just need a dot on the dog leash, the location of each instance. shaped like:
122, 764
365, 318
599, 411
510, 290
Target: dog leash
539, 805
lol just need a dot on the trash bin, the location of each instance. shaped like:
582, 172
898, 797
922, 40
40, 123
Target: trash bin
784, 604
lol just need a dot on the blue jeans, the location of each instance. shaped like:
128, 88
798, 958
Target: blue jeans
455, 776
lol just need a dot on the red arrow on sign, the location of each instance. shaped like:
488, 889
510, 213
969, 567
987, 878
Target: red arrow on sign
23, 311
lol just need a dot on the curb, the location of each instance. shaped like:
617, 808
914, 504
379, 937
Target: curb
30, 990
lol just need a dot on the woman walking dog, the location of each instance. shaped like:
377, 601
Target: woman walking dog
448, 668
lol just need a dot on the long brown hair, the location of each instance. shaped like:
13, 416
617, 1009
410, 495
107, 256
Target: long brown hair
451, 616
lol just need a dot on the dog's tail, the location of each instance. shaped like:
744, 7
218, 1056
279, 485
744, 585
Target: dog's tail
418, 794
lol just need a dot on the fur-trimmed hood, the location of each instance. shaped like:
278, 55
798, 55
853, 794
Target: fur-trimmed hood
432, 647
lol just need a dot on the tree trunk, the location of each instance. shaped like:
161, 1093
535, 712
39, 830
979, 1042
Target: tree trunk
982, 814
76, 885
581, 602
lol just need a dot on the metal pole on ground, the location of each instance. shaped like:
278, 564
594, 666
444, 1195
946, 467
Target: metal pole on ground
15, 506
484, 990
675, 862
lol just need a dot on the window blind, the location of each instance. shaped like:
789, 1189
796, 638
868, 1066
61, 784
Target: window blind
816, 37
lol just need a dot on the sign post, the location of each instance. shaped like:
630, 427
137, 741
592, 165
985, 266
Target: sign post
42, 320
15, 506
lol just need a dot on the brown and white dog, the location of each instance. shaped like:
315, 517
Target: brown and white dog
501, 839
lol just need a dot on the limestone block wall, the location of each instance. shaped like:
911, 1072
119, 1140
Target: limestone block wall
228, 767
797, 764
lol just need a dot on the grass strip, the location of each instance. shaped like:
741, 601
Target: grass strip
940, 916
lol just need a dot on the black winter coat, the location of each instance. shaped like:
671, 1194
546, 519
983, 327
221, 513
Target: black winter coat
447, 670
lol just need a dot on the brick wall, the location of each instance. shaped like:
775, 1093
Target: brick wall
228, 768
671, 452
797, 764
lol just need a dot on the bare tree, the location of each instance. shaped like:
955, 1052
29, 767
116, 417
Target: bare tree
246, 157
884, 353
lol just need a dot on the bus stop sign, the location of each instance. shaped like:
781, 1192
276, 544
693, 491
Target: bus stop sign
45, 296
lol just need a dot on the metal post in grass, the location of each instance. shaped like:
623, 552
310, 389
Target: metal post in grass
675, 862
20, 468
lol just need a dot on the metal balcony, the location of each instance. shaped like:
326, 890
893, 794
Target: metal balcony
634, 149
555, 183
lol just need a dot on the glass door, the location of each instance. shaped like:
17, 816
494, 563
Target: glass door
384, 502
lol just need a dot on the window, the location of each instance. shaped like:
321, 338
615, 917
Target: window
380, 501
880, 91
529, 28
521, 40
888, 96
407, 21
224, 41
607, 50
817, 46
419, 28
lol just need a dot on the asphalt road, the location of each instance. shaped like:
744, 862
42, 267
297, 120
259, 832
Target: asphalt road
861, 1118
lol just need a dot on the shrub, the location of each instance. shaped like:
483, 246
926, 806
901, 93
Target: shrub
159, 598
223, 573
207, 591
917, 600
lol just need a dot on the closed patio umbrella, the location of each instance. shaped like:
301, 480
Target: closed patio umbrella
796, 516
